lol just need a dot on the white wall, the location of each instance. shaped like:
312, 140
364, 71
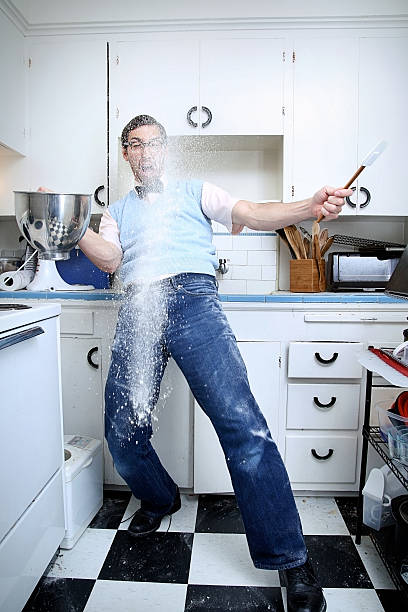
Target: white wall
74, 11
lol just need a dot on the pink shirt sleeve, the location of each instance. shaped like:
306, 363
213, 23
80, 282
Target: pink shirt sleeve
217, 204
108, 229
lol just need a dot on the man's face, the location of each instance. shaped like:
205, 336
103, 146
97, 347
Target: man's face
146, 153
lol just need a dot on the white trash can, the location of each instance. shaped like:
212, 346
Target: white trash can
83, 485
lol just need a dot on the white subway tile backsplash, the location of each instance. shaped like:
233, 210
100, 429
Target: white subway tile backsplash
248, 243
260, 287
232, 287
268, 273
252, 260
238, 258
222, 242
270, 242
261, 258
246, 272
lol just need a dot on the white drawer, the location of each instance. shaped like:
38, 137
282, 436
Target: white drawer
77, 322
338, 467
330, 406
324, 360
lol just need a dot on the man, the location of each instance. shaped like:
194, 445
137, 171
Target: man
162, 230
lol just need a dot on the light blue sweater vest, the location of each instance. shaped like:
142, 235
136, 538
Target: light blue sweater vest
170, 236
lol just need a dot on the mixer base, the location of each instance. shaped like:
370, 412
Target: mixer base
47, 279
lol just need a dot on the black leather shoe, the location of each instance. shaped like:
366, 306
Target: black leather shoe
143, 523
304, 593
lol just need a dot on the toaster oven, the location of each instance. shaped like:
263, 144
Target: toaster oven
361, 271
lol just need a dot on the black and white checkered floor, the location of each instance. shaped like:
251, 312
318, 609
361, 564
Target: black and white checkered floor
202, 563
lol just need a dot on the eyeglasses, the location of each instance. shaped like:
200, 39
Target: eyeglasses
138, 145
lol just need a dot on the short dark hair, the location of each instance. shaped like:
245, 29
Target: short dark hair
137, 122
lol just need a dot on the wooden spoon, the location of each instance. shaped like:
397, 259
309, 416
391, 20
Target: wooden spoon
327, 245
292, 241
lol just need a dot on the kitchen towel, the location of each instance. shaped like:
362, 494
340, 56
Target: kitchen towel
13, 281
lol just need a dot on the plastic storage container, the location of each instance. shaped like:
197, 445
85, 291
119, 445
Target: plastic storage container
381, 487
83, 485
394, 431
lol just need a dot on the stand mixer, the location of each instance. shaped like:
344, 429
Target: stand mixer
52, 223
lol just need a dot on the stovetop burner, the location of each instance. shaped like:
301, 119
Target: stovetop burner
13, 306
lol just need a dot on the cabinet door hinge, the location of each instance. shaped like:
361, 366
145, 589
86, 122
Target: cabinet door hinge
293, 191
283, 56
283, 110
294, 56
280, 361
117, 113
117, 60
30, 62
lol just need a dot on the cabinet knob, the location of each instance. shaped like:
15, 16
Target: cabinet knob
363, 204
325, 361
189, 119
96, 195
89, 357
209, 116
328, 405
322, 457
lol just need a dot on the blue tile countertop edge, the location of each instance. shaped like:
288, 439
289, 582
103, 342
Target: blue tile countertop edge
279, 296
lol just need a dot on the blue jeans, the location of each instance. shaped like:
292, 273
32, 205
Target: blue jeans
193, 329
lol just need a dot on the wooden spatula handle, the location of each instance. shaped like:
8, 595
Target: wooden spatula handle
346, 186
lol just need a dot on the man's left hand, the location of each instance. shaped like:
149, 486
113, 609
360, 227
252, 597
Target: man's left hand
329, 201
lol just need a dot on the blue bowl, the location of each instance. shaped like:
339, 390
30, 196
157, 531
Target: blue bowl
78, 269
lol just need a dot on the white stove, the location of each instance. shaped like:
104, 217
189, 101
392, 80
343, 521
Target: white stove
17, 315
31, 448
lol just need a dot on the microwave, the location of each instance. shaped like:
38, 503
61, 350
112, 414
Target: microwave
366, 270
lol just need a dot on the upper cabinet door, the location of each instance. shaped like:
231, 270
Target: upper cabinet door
13, 87
383, 84
67, 116
324, 114
241, 85
158, 78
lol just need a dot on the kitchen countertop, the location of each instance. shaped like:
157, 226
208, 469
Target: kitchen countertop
276, 297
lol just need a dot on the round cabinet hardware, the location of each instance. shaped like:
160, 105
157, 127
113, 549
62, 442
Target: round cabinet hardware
96, 195
89, 357
328, 405
322, 457
209, 116
192, 110
367, 195
325, 361
363, 204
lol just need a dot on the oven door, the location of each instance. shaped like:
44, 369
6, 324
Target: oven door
31, 448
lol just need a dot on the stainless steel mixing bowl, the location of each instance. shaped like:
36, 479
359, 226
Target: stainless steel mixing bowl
53, 223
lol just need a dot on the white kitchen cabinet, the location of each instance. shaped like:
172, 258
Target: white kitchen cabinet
82, 390
210, 471
67, 115
325, 97
239, 81
154, 77
383, 102
13, 87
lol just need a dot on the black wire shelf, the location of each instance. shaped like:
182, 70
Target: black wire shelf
384, 540
373, 435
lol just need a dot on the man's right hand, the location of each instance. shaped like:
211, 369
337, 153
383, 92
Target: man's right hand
45, 190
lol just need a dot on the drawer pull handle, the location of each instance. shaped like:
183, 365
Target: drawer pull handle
321, 359
322, 457
89, 357
328, 405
